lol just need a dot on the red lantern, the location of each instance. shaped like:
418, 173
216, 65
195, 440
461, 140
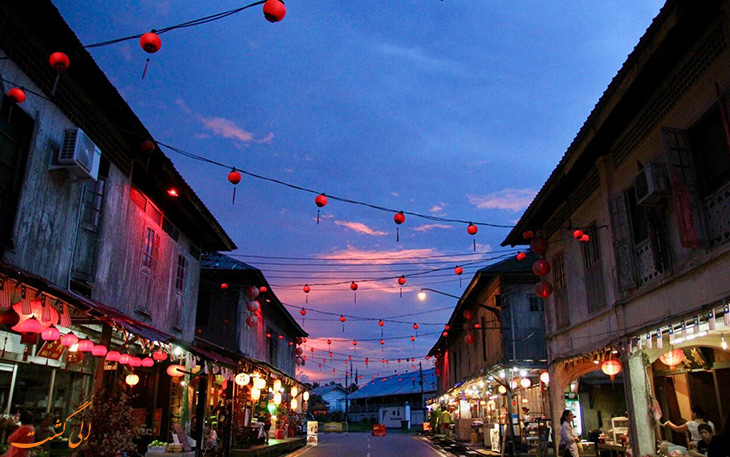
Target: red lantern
445, 334
402, 280
413, 338
252, 321
382, 342
157, 355
342, 319
469, 339
329, 342
252, 292
472, 229
150, 42
253, 306
300, 340
18, 95
31, 325
59, 61
539, 245
577, 234
176, 371
50, 334
86, 345
306, 288
69, 340
353, 285
303, 312
281, 337
672, 358
528, 234
611, 368
543, 289
274, 10
399, 218
113, 356
458, 270
263, 289
291, 343
354, 342
381, 323
320, 201
298, 351
99, 350
541, 267
224, 286
477, 326
147, 146
148, 362
585, 238
9, 317
521, 256
234, 177
415, 326
311, 349
447, 327
468, 314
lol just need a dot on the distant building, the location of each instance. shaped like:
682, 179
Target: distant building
333, 394
394, 398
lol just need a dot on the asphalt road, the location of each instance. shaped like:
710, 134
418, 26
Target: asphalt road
365, 445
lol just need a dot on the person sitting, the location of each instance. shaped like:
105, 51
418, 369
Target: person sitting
700, 448
698, 417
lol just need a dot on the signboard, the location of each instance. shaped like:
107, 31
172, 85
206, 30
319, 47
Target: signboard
156, 421
572, 403
51, 350
332, 427
312, 429
74, 357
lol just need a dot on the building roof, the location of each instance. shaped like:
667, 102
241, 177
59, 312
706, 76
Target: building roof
87, 97
664, 43
223, 263
404, 384
323, 390
479, 282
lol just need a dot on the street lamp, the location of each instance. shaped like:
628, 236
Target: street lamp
496, 311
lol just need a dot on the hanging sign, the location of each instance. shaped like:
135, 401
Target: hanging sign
51, 350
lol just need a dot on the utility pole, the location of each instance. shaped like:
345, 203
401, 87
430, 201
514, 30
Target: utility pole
509, 431
347, 403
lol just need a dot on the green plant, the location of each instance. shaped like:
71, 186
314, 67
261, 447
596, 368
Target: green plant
112, 427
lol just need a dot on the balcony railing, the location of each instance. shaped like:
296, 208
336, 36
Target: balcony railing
645, 262
717, 213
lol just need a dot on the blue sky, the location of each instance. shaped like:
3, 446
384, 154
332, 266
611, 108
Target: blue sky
449, 108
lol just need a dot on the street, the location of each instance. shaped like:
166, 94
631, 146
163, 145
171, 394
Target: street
365, 445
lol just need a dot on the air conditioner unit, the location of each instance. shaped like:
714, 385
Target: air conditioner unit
651, 184
78, 154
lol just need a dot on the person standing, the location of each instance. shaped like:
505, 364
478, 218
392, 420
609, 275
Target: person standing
698, 417
568, 437
25, 434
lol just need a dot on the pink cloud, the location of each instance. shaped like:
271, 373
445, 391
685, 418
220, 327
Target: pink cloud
429, 227
359, 227
353, 255
228, 129
506, 199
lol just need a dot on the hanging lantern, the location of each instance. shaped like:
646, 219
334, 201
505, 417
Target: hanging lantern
469, 339
585, 238
159, 355
543, 289
382, 342
277, 398
303, 312
415, 326
147, 146
59, 61
611, 368
525, 383
174, 371
260, 383
541, 267
672, 358
528, 234
305, 396
86, 345
99, 350
31, 325
342, 319
294, 391
50, 334
224, 286
578, 234
468, 314
306, 288
242, 379
253, 306
545, 377
399, 218
521, 256
124, 359
150, 42
445, 334
147, 362
294, 403
277, 385
17, 95
252, 292
135, 362
234, 177
69, 340
458, 270
354, 342
321, 202
297, 351
381, 323
132, 380
263, 289
402, 280
539, 245
252, 321
9, 317
274, 10
255, 394
413, 338
472, 230
113, 356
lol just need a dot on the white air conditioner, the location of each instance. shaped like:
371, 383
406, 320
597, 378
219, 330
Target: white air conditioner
651, 184
78, 154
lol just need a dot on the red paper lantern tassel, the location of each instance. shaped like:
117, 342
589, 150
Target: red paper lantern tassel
65, 317
397, 235
146, 65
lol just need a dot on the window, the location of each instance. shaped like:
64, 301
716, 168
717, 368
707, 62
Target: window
148, 253
180, 276
595, 289
562, 316
709, 145
536, 304
93, 197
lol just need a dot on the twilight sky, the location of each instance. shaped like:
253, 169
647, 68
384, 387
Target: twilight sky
447, 108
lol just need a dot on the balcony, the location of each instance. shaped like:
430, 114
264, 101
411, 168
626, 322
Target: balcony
717, 216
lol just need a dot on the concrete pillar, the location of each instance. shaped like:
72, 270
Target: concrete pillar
556, 393
638, 395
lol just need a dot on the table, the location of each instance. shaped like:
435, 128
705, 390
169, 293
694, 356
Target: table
613, 449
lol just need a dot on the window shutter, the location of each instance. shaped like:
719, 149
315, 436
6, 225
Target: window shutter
685, 191
622, 245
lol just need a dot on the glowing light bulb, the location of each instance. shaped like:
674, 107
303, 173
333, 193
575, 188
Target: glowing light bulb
723, 343
421, 295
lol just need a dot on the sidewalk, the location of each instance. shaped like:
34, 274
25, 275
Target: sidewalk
468, 449
275, 448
